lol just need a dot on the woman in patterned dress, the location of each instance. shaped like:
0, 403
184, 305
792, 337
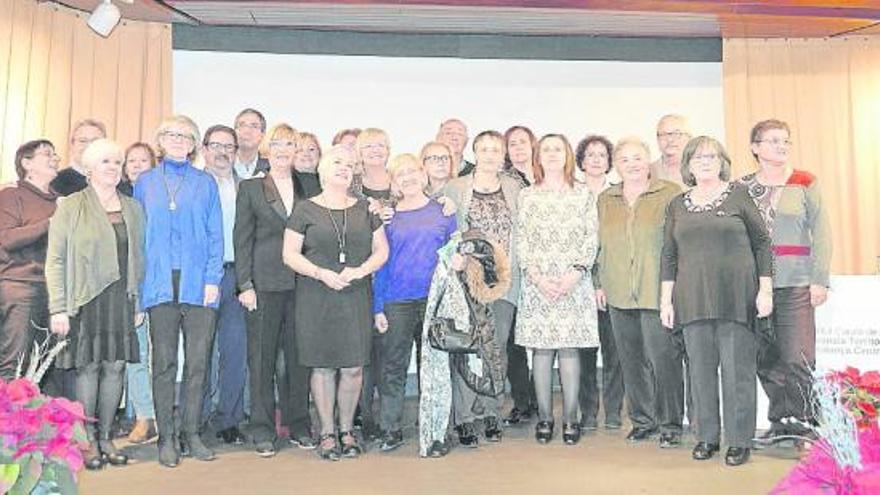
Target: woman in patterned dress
556, 240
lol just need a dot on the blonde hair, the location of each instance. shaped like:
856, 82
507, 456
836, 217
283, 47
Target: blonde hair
278, 131
370, 134
97, 124
308, 136
178, 120
402, 159
327, 160
98, 149
631, 141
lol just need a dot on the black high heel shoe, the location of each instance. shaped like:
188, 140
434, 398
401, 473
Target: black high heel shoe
111, 454
544, 431
328, 447
350, 446
571, 433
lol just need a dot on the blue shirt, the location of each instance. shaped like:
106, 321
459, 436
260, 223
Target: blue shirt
414, 236
189, 238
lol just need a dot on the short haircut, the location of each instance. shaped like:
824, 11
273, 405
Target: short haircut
766, 125
328, 158
343, 133
509, 132
631, 141
179, 120
144, 146
486, 135
98, 149
27, 151
402, 159
278, 131
370, 133
254, 112
685, 123
88, 123
437, 144
219, 128
691, 149
568, 170
581, 153
308, 136
450, 121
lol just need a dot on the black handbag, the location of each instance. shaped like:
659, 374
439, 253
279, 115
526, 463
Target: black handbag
444, 336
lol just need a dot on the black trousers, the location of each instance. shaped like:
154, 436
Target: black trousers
20, 303
270, 328
404, 327
522, 387
786, 368
651, 358
612, 377
166, 323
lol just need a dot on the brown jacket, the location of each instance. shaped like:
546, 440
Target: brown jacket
630, 241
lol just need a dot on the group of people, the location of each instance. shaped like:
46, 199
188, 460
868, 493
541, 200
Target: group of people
298, 276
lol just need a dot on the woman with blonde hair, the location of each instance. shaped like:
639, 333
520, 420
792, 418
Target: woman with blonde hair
334, 244
94, 267
183, 270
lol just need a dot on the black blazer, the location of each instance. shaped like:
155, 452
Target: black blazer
258, 236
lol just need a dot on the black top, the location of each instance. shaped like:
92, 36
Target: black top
466, 168
715, 254
258, 236
310, 183
68, 181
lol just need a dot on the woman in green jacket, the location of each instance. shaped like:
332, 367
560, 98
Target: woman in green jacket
94, 266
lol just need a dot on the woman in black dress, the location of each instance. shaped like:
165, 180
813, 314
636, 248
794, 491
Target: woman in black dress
334, 244
94, 267
715, 276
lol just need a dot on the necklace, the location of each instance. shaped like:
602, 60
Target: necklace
172, 195
340, 236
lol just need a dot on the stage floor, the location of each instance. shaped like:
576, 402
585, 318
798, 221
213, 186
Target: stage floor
602, 463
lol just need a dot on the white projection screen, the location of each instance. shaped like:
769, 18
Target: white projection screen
409, 97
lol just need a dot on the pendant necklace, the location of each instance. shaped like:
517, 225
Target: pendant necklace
172, 195
340, 236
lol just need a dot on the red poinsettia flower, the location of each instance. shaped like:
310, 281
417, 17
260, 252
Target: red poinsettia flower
21, 391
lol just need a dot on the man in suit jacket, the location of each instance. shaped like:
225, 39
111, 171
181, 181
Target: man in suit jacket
250, 127
227, 370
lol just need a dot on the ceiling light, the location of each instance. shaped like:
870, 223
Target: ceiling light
104, 18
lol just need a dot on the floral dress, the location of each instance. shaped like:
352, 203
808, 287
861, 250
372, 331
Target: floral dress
554, 232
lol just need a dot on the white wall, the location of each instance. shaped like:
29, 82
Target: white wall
408, 97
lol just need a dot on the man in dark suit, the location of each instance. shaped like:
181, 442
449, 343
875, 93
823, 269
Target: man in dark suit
250, 127
225, 396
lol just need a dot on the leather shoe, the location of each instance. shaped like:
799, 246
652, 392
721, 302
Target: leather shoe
197, 449
670, 440
638, 434
265, 449
493, 429
571, 433
518, 416
736, 456
168, 455
92, 458
231, 436
467, 435
438, 449
544, 431
391, 440
704, 451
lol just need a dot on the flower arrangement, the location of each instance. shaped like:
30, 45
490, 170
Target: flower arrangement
41, 438
846, 458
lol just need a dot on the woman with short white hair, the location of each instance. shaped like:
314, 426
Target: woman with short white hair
94, 267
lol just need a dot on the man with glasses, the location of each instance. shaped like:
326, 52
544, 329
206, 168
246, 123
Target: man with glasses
673, 133
250, 126
73, 178
227, 370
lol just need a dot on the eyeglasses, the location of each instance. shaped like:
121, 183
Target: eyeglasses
707, 157
374, 146
50, 153
215, 147
282, 144
438, 158
177, 136
776, 142
254, 126
671, 135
